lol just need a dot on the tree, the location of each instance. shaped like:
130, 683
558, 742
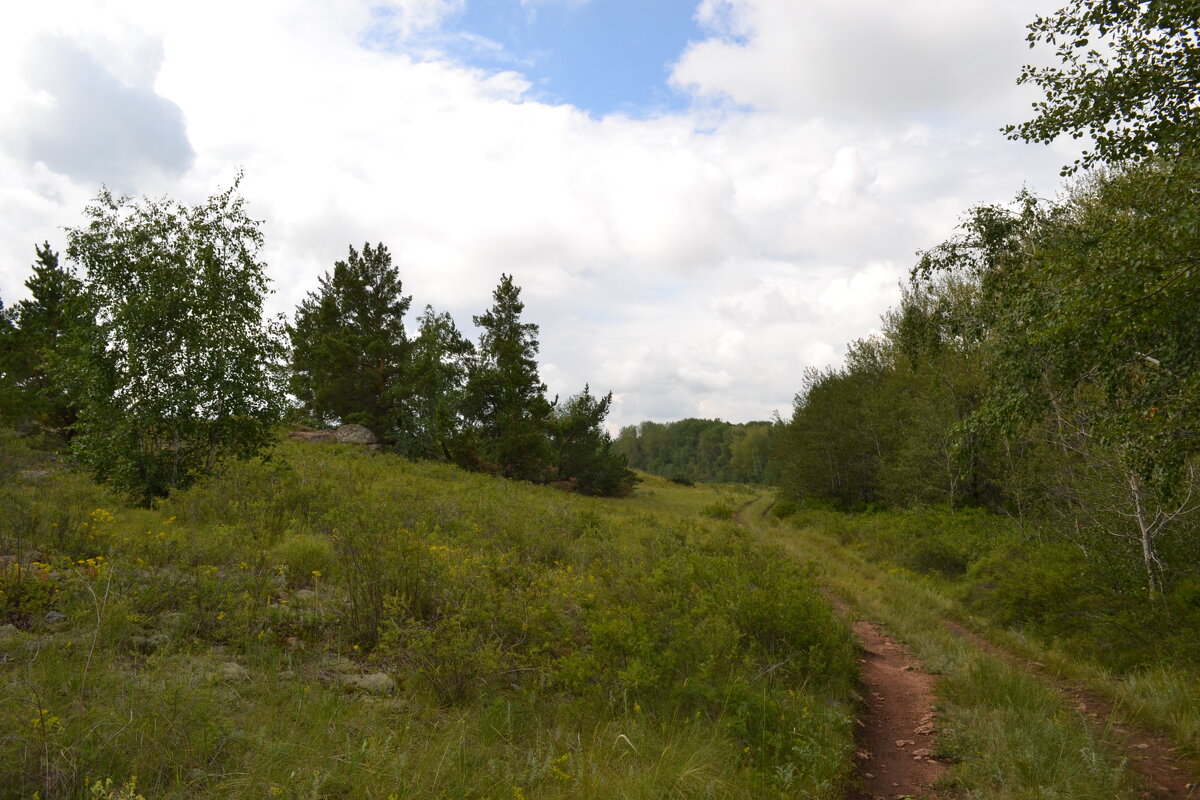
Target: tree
10, 391
582, 449
506, 408
349, 351
1129, 79
1110, 356
437, 375
54, 318
180, 372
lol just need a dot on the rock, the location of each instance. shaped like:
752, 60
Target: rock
232, 672
148, 643
921, 752
338, 664
304, 595
313, 436
373, 683
54, 617
356, 434
8, 633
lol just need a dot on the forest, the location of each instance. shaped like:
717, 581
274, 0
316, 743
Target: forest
691, 450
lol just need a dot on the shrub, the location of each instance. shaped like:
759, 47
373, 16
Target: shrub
303, 557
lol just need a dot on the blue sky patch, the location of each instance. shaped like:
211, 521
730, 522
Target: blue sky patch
602, 56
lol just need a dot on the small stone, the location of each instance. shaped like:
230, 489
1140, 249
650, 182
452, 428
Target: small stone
54, 617
149, 643
374, 683
922, 752
904, 742
232, 672
8, 633
313, 436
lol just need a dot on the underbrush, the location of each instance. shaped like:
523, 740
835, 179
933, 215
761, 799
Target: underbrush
332, 623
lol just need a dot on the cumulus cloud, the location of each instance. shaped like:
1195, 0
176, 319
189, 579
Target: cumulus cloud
84, 122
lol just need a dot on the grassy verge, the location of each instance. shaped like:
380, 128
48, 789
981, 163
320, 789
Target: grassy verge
331, 623
1008, 734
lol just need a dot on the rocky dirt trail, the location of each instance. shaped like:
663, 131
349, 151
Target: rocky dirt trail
896, 742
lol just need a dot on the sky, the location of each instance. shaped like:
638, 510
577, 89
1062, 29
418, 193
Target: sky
699, 199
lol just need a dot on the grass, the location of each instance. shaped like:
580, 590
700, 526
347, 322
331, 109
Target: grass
1087, 619
520, 642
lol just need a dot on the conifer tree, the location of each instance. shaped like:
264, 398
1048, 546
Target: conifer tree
582, 449
350, 353
506, 407
54, 318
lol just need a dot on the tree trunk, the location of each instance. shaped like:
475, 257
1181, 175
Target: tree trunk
1146, 534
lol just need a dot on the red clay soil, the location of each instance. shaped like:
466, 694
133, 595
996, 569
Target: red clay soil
1164, 775
895, 743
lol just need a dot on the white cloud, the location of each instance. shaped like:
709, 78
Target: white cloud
694, 263
859, 58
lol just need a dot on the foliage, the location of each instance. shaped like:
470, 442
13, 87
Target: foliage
179, 373
505, 405
701, 450
349, 351
10, 390
582, 449
1016, 377
438, 375
54, 319
1128, 78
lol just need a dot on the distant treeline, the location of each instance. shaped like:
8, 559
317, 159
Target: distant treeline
701, 450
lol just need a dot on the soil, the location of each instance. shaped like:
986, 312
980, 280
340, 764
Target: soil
1164, 774
896, 736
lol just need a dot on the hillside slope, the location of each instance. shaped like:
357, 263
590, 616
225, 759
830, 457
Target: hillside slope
332, 623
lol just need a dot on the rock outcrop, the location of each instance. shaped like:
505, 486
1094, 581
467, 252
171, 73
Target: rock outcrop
346, 434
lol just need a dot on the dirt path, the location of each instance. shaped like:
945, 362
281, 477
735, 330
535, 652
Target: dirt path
894, 758
896, 744
1164, 776
896, 737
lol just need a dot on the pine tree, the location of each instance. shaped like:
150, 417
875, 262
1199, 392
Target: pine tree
55, 318
506, 407
582, 449
350, 353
